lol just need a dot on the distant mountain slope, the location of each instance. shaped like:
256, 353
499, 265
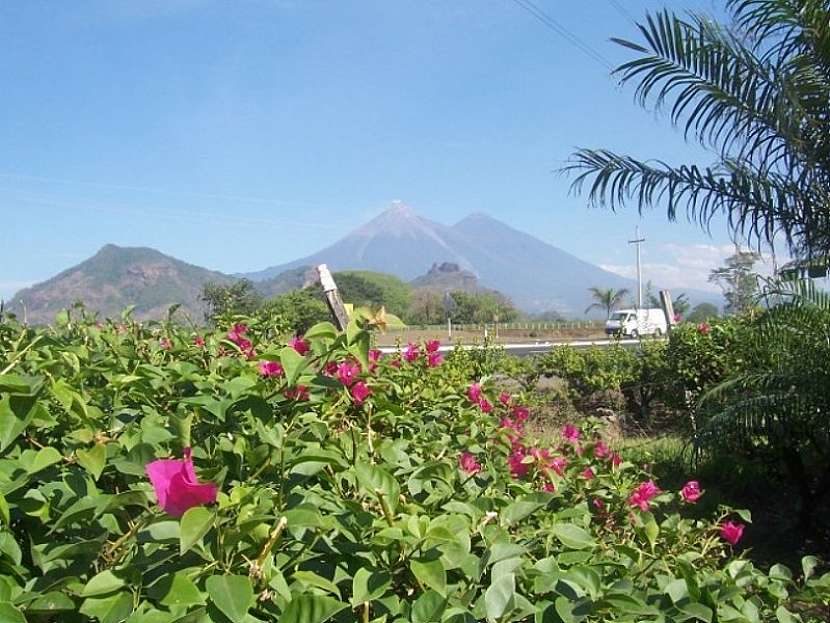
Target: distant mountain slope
447, 277
287, 280
536, 275
115, 278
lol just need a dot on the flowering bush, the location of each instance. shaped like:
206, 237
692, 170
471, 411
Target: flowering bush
200, 482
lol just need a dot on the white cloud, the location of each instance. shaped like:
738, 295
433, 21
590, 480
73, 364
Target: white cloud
678, 266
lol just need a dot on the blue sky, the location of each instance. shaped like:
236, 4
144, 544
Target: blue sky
241, 135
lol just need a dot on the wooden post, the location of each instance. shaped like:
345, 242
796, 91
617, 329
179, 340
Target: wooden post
668, 309
333, 300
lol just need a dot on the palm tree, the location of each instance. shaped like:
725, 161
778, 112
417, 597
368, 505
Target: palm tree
606, 299
756, 93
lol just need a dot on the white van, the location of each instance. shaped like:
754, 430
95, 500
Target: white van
636, 322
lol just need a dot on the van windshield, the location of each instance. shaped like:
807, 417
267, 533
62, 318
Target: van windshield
619, 316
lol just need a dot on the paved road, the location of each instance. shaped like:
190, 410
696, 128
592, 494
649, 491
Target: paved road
525, 349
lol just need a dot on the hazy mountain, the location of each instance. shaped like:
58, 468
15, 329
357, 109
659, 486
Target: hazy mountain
115, 278
447, 277
536, 275
291, 279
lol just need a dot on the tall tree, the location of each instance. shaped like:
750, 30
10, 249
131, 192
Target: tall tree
756, 93
738, 281
607, 299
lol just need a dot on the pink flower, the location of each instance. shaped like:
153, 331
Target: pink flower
469, 463
732, 532
549, 487
237, 332
165, 343
485, 405
677, 317
347, 373
296, 393
643, 494
374, 356
558, 465
588, 473
396, 362
176, 486
571, 433
300, 345
520, 414
691, 492
199, 341
598, 504
432, 346
246, 347
515, 462
413, 351
601, 451
540, 454
703, 328
515, 427
330, 369
474, 393
270, 368
616, 460
360, 392
435, 359
505, 398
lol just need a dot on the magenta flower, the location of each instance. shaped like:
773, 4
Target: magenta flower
435, 359
300, 345
271, 368
704, 328
165, 343
347, 373
520, 414
505, 398
396, 362
237, 333
412, 352
643, 494
732, 532
601, 451
330, 369
616, 460
515, 462
176, 486
199, 341
360, 392
598, 504
469, 463
571, 433
474, 393
549, 487
691, 492
558, 465
374, 357
588, 473
485, 405
432, 346
296, 393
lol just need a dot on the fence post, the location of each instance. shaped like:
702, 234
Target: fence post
333, 300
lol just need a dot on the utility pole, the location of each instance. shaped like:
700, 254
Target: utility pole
638, 241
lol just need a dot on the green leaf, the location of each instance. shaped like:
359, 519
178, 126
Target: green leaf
45, 457
311, 609
573, 536
321, 331
17, 384
808, 566
112, 609
52, 601
429, 607
698, 611
368, 585
93, 460
232, 594
499, 597
5, 514
313, 579
195, 523
10, 614
176, 590
431, 574
520, 509
785, 616
293, 363
102, 584
16, 412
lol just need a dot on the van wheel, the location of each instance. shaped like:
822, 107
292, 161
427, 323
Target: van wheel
635, 335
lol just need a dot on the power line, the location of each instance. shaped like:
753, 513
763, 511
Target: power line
559, 29
623, 11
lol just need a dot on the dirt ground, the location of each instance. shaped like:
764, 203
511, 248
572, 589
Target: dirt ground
501, 336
